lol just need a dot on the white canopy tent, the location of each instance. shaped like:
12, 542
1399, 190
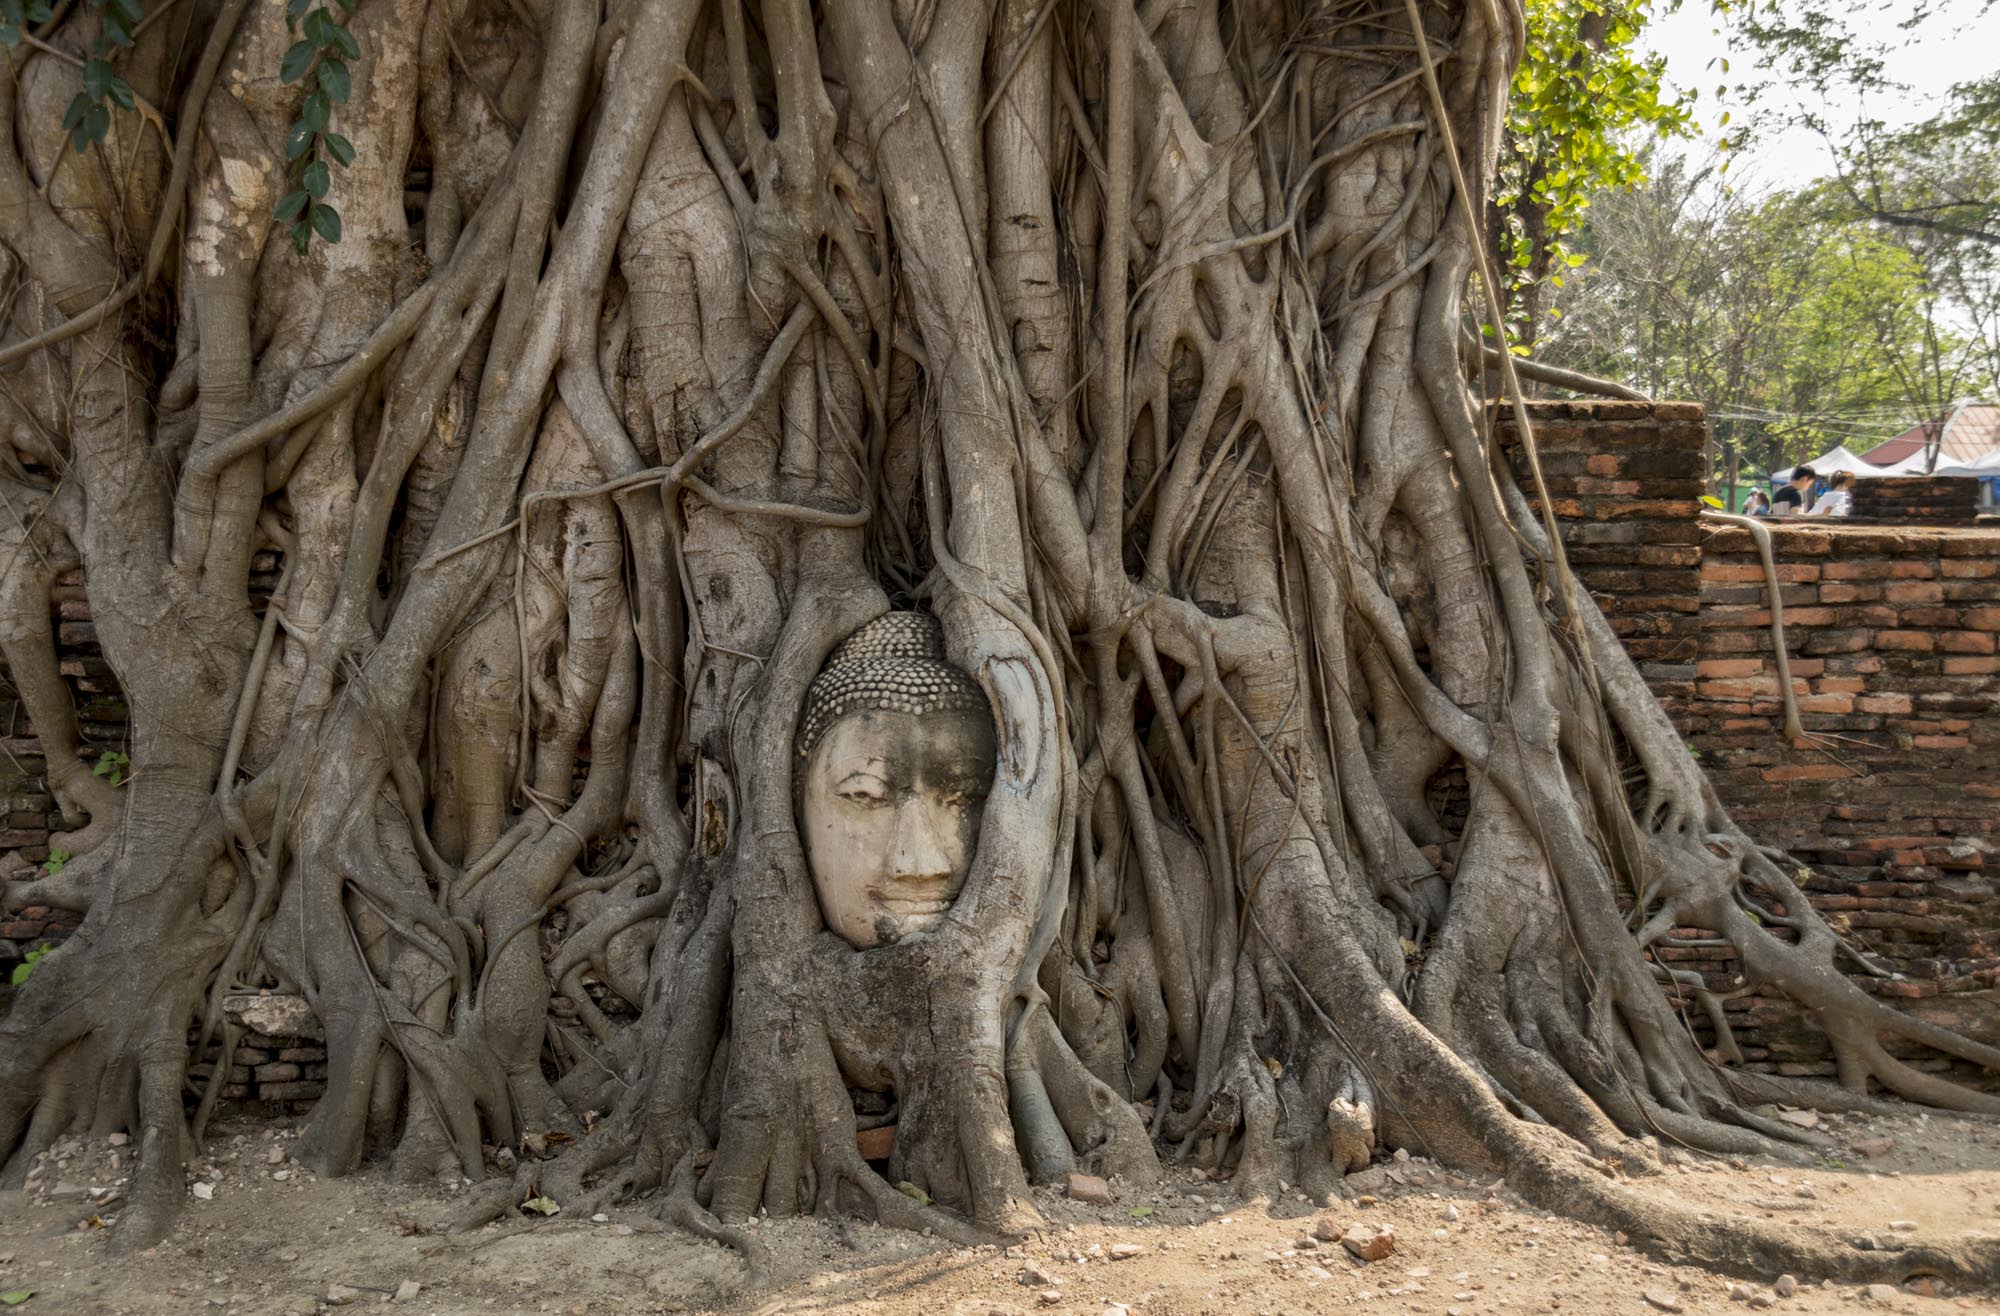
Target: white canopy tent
1843, 459
1987, 467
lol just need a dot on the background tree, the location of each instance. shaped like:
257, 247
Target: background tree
1797, 327
1586, 102
664, 342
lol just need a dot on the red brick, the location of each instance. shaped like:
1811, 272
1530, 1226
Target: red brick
1885, 704
1914, 591
1729, 666
1916, 641
1983, 619
1971, 666
1748, 688
1602, 463
1746, 571
1969, 569
1838, 591
1940, 742
1806, 772
1967, 642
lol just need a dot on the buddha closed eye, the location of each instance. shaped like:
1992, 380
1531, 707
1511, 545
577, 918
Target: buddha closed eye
897, 752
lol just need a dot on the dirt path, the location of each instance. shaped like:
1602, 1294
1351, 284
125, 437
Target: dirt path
262, 1237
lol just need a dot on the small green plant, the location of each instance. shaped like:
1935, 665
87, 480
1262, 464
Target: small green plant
27, 964
113, 766
54, 863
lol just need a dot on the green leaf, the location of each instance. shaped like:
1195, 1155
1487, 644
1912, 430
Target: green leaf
121, 92
291, 205
298, 141
294, 9
15, 1297
301, 236
129, 10
318, 24
314, 179
1140, 1212
348, 45
910, 1190
339, 148
298, 58
96, 122
326, 222
314, 111
334, 80
16, 978
78, 107
97, 78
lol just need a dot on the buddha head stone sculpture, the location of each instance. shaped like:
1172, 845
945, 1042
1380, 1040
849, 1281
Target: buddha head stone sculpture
896, 752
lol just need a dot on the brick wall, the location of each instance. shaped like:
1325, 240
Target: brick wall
1894, 798
1894, 795
1931, 500
1625, 478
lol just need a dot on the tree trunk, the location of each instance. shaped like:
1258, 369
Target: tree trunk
665, 344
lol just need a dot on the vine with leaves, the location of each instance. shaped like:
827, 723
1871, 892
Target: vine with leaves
318, 62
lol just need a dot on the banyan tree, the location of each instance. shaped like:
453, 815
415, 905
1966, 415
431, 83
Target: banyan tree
912, 561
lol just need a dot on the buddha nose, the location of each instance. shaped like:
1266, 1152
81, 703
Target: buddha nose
919, 852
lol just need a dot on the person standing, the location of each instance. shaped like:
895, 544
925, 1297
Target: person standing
1757, 504
1838, 500
1797, 495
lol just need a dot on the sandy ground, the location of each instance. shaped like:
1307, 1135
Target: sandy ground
262, 1237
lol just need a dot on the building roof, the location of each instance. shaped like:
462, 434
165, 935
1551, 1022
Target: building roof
1971, 432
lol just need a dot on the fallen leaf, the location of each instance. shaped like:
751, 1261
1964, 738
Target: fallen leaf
541, 1206
1141, 1212
16, 1297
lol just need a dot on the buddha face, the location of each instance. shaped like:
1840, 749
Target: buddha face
890, 807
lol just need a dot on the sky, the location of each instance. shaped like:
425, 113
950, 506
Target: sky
1960, 43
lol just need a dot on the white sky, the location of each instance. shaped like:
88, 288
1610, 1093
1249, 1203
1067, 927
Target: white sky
1960, 42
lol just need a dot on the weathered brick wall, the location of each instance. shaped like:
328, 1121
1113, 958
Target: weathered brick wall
31, 812
1931, 500
1625, 478
1893, 797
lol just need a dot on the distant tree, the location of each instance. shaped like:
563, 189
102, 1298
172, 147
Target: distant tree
1929, 184
1796, 328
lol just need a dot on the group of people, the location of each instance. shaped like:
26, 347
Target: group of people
1805, 494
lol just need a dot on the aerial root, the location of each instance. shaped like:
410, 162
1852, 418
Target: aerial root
679, 1207
1556, 1179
